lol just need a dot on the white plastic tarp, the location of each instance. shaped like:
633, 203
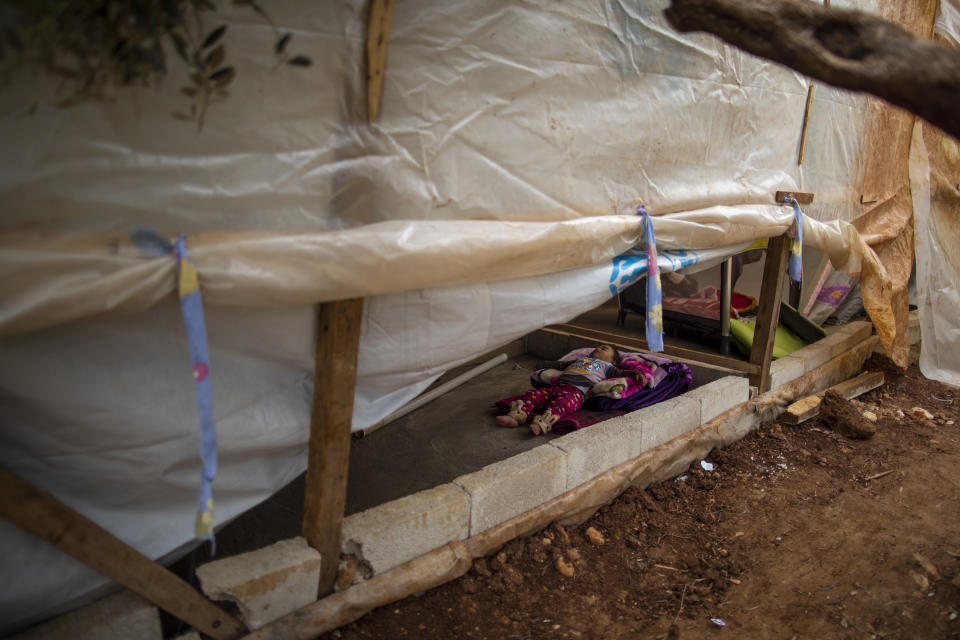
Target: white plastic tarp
489, 199
937, 235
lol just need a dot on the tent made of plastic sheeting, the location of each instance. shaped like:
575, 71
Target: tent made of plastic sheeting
495, 194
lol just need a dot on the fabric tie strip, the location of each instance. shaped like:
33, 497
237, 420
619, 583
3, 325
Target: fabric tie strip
795, 264
654, 327
191, 308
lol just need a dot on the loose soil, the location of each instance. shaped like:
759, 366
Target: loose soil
796, 532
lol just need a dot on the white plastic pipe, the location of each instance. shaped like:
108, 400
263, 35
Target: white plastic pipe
423, 399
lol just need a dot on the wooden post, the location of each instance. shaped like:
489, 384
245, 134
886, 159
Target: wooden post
334, 383
41, 514
768, 309
378, 37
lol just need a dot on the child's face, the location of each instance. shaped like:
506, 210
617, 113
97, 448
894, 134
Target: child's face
603, 352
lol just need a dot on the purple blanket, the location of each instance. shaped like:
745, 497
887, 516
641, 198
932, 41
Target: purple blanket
676, 380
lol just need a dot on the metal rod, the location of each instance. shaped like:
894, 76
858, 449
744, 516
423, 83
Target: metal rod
726, 292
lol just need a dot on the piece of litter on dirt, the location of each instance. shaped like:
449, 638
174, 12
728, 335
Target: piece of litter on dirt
707, 466
952, 615
734, 580
948, 423
936, 397
682, 478
920, 412
718, 621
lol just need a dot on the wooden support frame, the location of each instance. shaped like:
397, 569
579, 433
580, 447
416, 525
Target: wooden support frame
768, 309
627, 342
41, 514
768, 316
379, 20
335, 381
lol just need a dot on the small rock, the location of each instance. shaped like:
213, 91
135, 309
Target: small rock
948, 423
920, 412
546, 542
870, 415
502, 557
594, 536
900, 414
574, 555
564, 567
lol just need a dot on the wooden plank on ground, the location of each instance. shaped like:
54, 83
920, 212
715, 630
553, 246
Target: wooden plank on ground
335, 380
43, 515
378, 37
809, 407
768, 309
630, 343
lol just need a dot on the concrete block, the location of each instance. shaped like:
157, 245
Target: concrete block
394, 532
846, 337
267, 583
601, 446
667, 420
719, 396
506, 489
815, 355
117, 617
783, 370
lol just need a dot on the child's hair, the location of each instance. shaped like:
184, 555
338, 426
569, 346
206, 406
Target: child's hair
617, 356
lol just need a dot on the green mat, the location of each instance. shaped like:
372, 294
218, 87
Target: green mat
784, 344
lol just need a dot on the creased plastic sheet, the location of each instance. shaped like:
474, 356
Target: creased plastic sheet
490, 198
934, 167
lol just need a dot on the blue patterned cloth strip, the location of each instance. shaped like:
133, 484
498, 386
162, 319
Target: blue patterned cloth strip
191, 306
654, 331
795, 264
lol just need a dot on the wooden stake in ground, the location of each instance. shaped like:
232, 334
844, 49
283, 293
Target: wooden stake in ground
335, 381
768, 309
848, 49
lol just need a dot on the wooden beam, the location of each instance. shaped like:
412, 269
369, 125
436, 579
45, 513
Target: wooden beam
768, 309
335, 380
630, 343
378, 37
40, 513
805, 126
809, 407
802, 197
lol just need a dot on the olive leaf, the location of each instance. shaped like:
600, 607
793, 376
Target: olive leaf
300, 61
180, 45
213, 36
282, 43
222, 77
215, 58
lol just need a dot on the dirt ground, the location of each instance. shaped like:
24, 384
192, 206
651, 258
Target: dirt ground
797, 532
